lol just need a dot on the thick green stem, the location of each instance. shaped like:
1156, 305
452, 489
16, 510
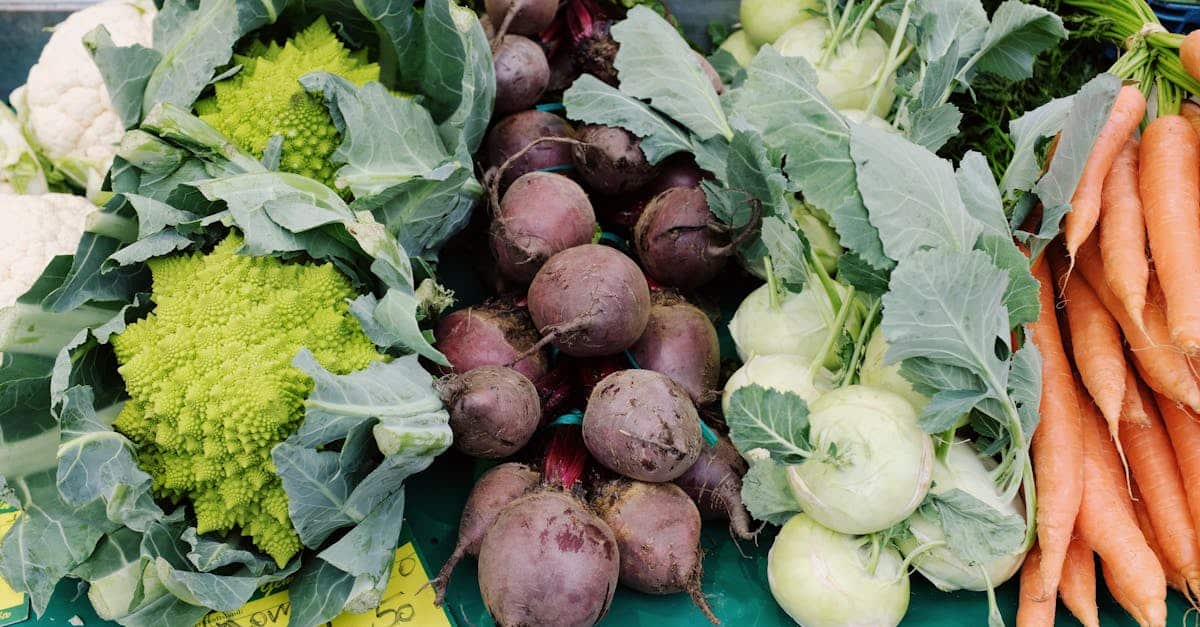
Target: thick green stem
864, 20
835, 37
772, 283
860, 343
894, 54
835, 332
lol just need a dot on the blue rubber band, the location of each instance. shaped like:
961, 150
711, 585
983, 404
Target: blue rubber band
632, 360
562, 167
573, 417
616, 241
551, 106
710, 436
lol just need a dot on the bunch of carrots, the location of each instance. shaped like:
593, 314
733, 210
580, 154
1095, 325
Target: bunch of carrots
1117, 452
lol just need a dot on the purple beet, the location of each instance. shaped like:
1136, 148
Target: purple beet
496, 333
494, 411
643, 425
492, 493
547, 560
677, 171
611, 160
715, 483
590, 300
518, 132
678, 241
522, 74
658, 535
681, 342
523, 17
542, 214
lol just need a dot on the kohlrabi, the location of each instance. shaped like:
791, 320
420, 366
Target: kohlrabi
739, 45
875, 373
869, 465
933, 551
783, 373
771, 321
764, 21
822, 239
822, 578
849, 70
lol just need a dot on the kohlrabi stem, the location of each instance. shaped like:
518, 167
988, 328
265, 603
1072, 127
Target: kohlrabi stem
994, 617
860, 343
898, 37
1030, 505
830, 12
772, 284
864, 20
835, 332
917, 552
835, 36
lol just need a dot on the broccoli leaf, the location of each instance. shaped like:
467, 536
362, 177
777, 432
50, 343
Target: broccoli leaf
975, 531
780, 99
423, 214
764, 418
319, 592
369, 548
654, 63
591, 100
767, 494
125, 71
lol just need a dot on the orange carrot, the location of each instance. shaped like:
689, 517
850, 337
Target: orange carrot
1152, 460
1174, 578
1123, 234
1169, 181
1184, 428
1108, 524
1191, 112
1099, 355
1163, 367
1126, 115
1132, 409
1057, 442
1078, 587
1189, 54
1034, 609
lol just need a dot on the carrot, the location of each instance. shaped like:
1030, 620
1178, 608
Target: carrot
1191, 112
1184, 429
1163, 367
1057, 443
1034, 609
1126, 115
1107, 523
1132, 408
1123, 234
1189, 54
1169, 180
1078, 587
1174, 578
1152, 460
1096, 343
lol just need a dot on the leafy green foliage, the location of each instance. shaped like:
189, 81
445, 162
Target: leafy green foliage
764, 418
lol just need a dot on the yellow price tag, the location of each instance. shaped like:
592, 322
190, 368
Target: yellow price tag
13, 608
404, 602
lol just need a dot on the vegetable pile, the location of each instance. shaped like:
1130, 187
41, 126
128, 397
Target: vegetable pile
959, 352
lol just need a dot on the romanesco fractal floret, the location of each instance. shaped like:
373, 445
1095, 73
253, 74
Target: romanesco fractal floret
265, 99
212, 386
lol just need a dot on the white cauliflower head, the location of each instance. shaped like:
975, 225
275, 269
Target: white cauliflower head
20, 172
36, 229
64, 105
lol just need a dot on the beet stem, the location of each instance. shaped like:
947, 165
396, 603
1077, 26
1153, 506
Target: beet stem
498, 174
566, 458
504, 25
697, 593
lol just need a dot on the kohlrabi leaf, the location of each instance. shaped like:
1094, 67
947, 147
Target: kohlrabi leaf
781, 100
764, 418
125, 70
592, 101
1028, 133
975, 531
980, 196
767, 494
943, 23
654, 63
387, 140
1021, 295
1018, 32
1089, 111
911, 194
933, 127
861, 275
946, 406
1025, 386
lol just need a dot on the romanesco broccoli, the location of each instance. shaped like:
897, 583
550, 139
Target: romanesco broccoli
212, 386
265, 99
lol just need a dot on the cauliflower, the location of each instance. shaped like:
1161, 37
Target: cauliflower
265, 99
64, 105
20, 171
212, 387
36, 229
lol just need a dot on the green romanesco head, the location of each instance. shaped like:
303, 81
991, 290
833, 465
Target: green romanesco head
266, 99
211, 384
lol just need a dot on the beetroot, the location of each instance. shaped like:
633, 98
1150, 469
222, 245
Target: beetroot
643, 425
542, 213
678, 241
492, 492
681, 342
523, 17
496, 333
522, 73
494, 411
658, 535
590, 300
593, 48
518, 132
611, 160
715, 483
